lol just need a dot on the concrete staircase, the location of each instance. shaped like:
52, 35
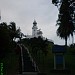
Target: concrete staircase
28, 65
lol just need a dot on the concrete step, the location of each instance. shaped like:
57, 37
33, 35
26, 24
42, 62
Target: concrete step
32, 73
29, 73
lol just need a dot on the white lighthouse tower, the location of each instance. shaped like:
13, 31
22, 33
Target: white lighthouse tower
34, 29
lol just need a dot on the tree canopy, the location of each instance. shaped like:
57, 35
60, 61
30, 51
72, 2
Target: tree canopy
7, 34
65, 18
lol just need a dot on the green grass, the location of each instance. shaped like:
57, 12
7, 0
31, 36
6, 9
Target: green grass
11, 64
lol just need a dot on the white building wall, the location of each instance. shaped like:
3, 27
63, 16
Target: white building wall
34, 32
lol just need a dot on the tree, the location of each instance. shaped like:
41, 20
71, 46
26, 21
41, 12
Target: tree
14, 32
19, 35
65, 21
72, 11
7, 34
4, 39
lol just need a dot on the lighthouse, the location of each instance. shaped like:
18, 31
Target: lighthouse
34, 29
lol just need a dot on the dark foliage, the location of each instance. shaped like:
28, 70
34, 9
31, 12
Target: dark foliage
37, 44
7, 34
65, 18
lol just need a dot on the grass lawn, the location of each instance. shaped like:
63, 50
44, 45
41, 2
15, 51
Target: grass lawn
11, 64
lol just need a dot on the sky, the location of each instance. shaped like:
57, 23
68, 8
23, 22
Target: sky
23, 13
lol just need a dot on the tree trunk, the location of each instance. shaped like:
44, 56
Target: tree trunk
66, 43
